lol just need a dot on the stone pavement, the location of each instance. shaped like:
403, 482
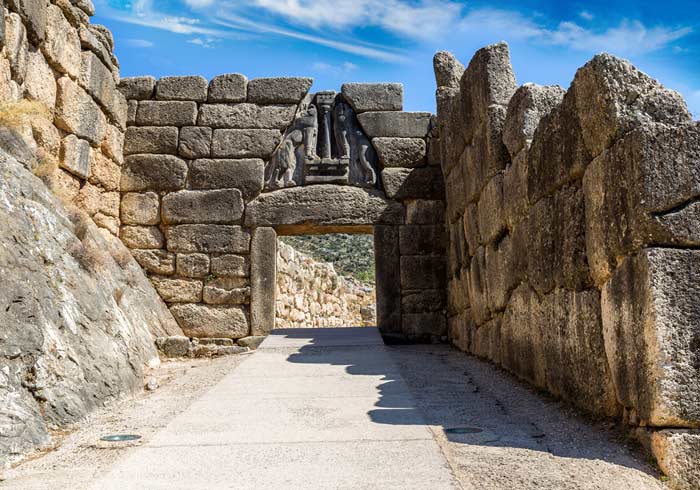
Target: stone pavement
311, 409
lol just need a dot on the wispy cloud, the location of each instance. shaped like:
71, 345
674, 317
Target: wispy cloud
140, 43
586, 15
334, 69
207, 42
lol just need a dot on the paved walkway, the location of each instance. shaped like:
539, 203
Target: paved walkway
311, 409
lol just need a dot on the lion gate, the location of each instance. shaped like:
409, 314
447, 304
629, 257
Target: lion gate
215, 171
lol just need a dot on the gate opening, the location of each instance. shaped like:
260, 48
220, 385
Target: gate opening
325, 281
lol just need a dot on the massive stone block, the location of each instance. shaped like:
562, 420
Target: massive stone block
395, 124
425, 326
232, 87
193, 265
35, 14
155, 261
492, 220
178, 290
642, 191
16, 46
138, 88
364, 97
97, 79
140, 209
246, 116
182, 88
388, 278
423, 301
448, 70
142, 237
216, 206
195, 142
230, 266
652, 333
246, 175
207, 239
478, 288
422, 239
676, 451
75, 156
527, 106
205, 321
77, 113
423, 272
153, 173
416, 183
245, 143
263, 260
400, 152
166, 113
62, 45
322, 206
282, 90
39, 82
150, 139
425, 212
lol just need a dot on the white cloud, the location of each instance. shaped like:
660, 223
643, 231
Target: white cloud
139, 43
203, 42
335, 70
199, 3
586, 15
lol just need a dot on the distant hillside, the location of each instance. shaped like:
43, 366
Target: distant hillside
352, 255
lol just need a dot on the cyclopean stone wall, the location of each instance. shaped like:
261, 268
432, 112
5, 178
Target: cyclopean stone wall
73, 116
202, 217
311, 293
572, 222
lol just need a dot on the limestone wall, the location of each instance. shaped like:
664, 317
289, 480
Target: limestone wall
572, 233
63, 69
197, 217
312, 294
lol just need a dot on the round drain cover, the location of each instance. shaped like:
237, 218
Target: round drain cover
120, 438
463, 430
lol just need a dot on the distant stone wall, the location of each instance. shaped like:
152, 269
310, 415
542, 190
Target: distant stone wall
54, 57
573, 224
200, 219
312, 294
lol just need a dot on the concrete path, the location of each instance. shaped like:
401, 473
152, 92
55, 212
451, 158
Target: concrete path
311, 409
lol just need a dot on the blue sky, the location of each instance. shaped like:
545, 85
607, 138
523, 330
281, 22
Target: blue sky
336, 41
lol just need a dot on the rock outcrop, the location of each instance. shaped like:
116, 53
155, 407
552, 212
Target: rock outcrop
78, 317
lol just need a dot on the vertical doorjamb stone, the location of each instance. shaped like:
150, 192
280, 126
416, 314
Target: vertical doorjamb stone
263, 257
388, 279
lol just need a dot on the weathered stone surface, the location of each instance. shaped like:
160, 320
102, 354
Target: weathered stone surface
75, 156
151, 139
195, 142
676, 451
252, 342
364, 97
97, 80
204, 321
16, 46
104, 172
85, 5
246, 175
457, 252
140, 209
400, 152
460, 330
132, 108
395, 124
642, 191
207, 239
113, 144
278, 90
651, 335
613, 97
178, 290
424, 301
230, 266
192, 265
94, 365
492, 219
477, 287
35, 14
423, 272
471, 228
486, 340
323, 206
424, 326
143, 237
516, 204
39, 82
232, 87
155, 261
417, 183
245, 143
182, 88
92, 40
166, 113
217, 206
153, 173
425, 212
448, 71
263, 260
173, 347
138, 88
388, 274
246, 116
529, 104
62, 46
422, 239
226, 291
77, 113
88, 199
